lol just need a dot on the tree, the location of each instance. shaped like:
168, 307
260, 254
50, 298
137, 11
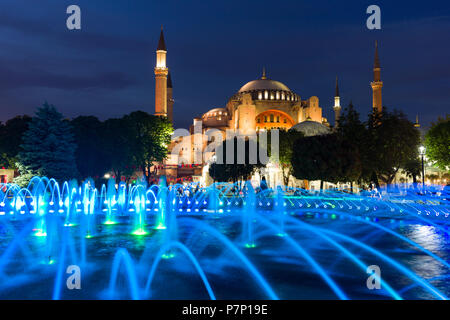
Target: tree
354, 134
11, 138
395, 141
118, 150
437, 142
285, 151
413, 168
325, 158
149, 137
135, 142
48, 147
234, 171
91, 158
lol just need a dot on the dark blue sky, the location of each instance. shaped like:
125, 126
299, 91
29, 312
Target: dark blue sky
215, 47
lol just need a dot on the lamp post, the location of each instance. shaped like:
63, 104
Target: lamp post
422, 154
214, 158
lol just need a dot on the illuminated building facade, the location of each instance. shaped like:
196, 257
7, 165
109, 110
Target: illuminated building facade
261, 104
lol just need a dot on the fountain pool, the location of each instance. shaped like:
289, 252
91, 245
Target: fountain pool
184, 242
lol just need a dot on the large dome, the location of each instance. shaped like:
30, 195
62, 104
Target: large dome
311, 128
263, 84
266, 89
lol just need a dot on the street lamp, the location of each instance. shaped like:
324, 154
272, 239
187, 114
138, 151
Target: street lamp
214, 159
422, 150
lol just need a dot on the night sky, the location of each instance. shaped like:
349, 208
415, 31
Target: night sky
215, 47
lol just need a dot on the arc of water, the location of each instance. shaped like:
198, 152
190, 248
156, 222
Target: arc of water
413, 285
431, 254
330, 282
254, 272
428, 221
182, 247
363, 266
17, 241
59, 274
123, 255
405, 270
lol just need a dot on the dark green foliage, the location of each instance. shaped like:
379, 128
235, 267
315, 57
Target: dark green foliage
11, 138
326, 158
148, 137
134, 142
117, 148
394, 140
413, 168
48, 147
285, 141
221, 171
437, 142
91, 158
354, 134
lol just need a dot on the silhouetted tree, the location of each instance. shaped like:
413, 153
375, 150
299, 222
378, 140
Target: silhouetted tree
118, 149
325, 158
413, 169
90, 155
394, 140
11, 138
354, 133
236, 171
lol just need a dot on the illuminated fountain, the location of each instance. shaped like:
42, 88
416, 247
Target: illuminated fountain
221, 242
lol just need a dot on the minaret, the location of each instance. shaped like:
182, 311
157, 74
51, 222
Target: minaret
161, 72
170, 100
377, 84
417, 124
337, 105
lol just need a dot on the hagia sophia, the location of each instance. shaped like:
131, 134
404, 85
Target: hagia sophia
260, 104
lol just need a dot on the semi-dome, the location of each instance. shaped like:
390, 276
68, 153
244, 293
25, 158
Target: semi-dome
215, 112
311, 128
217, 117
263, 84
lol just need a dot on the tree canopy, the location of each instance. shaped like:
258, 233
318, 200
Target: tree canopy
11, 138
437, 142
91, 158
326, 158
286, 140
221, 171
48, 147
148, 139
394, 141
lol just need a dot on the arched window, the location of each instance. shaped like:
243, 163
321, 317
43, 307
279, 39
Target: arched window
271, 118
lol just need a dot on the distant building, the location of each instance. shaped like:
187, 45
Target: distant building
260, 104
6, 175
